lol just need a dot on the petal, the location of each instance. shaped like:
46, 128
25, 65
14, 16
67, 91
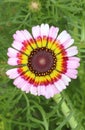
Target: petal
72, 64
63, 36
33, 90
13, 61
72, 51
36, 31
18, 61
49, 91
44, 30
17, 45
25, 87
56, 91
74, 58
19, 36
41, 90
68, 43
65, 79
12, 52
19, 82
26, 34
60, 85
53, 32
13, 73
72, 73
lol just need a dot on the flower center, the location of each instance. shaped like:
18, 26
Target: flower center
42, 61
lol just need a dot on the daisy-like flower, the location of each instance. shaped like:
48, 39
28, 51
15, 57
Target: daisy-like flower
44, 63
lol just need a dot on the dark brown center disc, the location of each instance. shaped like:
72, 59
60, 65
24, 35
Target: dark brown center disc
42, 61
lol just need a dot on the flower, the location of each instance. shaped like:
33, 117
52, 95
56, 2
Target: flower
44, 63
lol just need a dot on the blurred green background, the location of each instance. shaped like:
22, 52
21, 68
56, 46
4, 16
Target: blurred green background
20, 111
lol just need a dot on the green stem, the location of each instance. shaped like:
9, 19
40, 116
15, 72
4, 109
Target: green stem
83, 31
66, 111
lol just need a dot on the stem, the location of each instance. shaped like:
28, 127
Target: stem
66, 111
83, 31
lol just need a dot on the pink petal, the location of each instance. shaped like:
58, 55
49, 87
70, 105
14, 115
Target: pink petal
19, 82
49, 91
25, 87
60, 85
19, 36
72, 73
26, 34
13, 61
33, 90
72, 51
56, 91
72, 64
74, 58
17, 45
65, 79
59, 88
13, 73
41, 90
36, 31
63, 37
68, 43
44, 30
12, 52
53, 32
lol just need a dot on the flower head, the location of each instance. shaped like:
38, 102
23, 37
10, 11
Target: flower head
44, 62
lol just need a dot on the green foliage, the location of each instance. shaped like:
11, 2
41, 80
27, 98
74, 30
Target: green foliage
20, 111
